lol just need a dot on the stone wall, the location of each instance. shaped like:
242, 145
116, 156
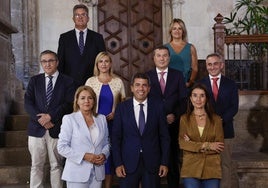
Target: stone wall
7, 80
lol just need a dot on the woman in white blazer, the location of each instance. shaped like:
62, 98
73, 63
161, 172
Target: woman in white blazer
84, 142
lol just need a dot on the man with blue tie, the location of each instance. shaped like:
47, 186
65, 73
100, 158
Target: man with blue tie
48, 97
168, 87
140, 143
79, 47
224, 99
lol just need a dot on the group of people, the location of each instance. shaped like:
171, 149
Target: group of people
81, 119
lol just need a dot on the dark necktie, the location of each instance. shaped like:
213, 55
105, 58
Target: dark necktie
81, 42
49, 89
141, 119
215, 88
162, 81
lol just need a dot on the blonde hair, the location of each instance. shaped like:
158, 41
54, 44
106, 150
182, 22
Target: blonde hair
97, 59
184, 30
93, 95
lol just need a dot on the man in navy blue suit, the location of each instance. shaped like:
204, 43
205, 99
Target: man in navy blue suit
225, 104
48, 97
77, 59
173, 96
140, 156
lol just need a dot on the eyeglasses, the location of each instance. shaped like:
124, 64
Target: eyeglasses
80, 15
50, 61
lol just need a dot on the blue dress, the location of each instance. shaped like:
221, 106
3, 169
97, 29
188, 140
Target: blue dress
181, 61
105, 108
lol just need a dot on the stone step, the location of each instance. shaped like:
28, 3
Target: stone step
14, 175
15, 186
15, 156
13, 139
17, 122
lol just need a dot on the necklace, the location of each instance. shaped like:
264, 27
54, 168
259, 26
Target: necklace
200, 116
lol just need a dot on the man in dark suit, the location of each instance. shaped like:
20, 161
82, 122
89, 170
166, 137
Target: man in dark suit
140, 143
225, 103
79, 47
48, 97
173, 96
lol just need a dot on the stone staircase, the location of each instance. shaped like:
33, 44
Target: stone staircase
14, 154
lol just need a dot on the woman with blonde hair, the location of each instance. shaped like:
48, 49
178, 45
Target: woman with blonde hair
84, 142
110, 91
183, 55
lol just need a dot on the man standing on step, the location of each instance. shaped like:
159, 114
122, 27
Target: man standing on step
224, 99
48, 97
168, 87
79, 47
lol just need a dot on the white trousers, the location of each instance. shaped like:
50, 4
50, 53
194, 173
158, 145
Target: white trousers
91, 183
39, 149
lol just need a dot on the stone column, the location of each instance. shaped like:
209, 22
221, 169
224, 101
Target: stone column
177, 8
166, 19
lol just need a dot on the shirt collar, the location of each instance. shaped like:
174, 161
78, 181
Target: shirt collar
135, 102
158, 71
54, 75
219, 76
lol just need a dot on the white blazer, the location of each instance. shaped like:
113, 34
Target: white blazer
75, 140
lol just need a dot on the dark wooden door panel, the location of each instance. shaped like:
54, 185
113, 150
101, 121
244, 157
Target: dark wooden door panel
131, 29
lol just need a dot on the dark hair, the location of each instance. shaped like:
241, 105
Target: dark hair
215, 55
142, 76
80, 6
162, 47
208, 107
49, 52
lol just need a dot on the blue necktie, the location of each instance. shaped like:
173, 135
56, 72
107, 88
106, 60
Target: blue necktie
81, 42
49, 89
141, 119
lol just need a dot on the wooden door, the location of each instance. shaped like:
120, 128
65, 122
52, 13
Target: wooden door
131, 29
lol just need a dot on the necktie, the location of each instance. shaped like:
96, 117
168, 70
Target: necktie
215, 88
141, 119
162, 81
49, 89
81, 42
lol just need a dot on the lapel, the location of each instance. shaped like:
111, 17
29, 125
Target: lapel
131, 116
98, 122
156, 81
41, 85
82, 126
73, 40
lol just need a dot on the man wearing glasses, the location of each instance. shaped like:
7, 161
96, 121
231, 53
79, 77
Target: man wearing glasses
48, 97
79, 47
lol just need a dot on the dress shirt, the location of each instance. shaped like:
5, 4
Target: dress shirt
137, 109
77, 33
218, 81
54, 79
94, 133
159, 75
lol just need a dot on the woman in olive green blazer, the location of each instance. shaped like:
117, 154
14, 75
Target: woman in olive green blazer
201, 139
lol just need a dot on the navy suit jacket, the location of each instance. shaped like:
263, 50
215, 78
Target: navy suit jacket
127, 141
175, 94
60, 104
227, 102
71, 63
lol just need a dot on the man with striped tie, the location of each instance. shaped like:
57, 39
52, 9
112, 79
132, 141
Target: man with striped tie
48, 97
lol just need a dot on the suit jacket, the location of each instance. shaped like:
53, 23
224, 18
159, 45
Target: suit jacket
127, 141
175, 94
79, 67
226, 105
60, 104
75, 140
197, 164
